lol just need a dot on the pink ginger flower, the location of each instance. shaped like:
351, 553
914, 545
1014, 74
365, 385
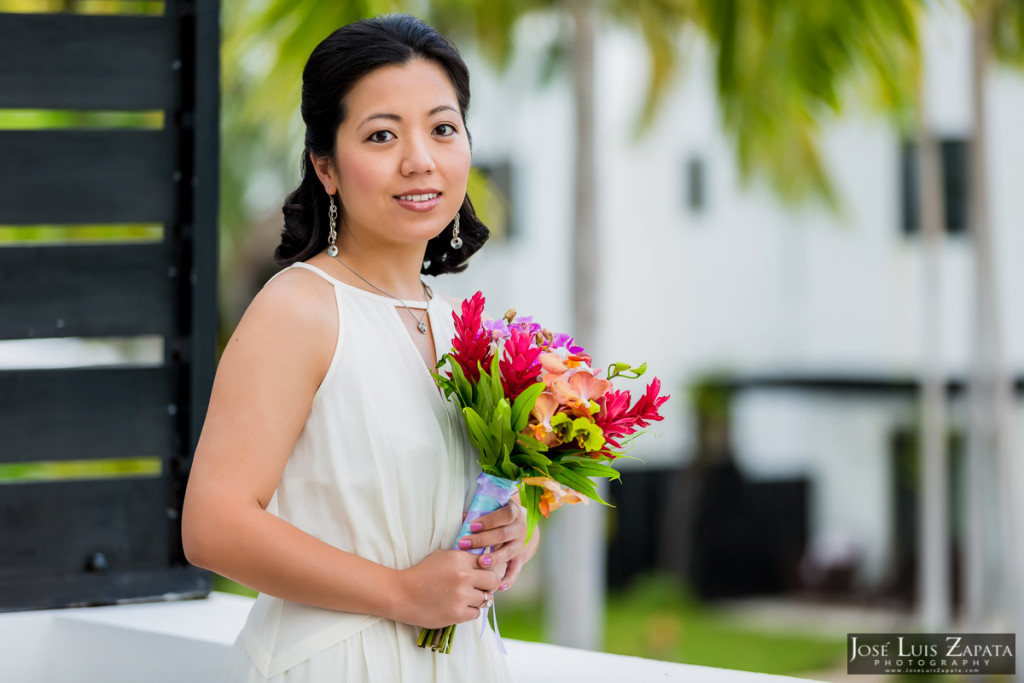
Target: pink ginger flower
518, 365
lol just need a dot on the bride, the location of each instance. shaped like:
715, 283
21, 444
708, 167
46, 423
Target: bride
331, 475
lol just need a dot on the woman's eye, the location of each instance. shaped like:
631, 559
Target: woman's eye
381, 136
445, 129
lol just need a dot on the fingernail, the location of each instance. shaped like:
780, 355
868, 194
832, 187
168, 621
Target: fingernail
487, 561
504, 586
464, 543
476, 526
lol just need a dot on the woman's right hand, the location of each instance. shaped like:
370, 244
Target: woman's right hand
446, 587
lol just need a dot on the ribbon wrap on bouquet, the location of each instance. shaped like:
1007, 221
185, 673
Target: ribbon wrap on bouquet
491, 493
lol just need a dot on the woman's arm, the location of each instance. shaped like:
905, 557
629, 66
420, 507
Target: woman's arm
262, 394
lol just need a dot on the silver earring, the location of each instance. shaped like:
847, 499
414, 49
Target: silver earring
456, 240
332, 248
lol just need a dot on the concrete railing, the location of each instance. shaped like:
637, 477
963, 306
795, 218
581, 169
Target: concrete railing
188, 641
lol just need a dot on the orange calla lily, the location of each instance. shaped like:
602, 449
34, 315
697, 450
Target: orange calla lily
543, 410
555, 495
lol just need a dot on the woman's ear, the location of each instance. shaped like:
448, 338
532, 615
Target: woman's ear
325, 172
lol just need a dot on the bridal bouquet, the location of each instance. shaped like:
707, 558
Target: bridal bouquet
543, 420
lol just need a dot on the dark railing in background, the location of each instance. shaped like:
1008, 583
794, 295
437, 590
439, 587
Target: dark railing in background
94, 459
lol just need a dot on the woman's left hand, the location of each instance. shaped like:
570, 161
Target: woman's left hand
504, 531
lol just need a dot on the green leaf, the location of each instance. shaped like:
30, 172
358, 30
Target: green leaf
507, 466
495, 377
534, 459
484, 397
481, 436
524, 404
501, 425
592, 469
491, 470
529, 496
528, 441
462, 385
579, 484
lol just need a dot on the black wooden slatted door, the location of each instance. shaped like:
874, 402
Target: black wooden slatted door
107, 241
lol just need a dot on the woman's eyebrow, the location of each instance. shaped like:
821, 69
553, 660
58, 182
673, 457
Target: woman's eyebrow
398, 119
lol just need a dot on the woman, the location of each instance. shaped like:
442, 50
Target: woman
331, 475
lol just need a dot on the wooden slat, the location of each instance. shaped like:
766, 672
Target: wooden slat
60, 527
74, 61
49, 590
86, 291
87, 176
84, 413
205, 193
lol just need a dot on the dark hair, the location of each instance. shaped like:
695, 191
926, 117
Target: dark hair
333, 69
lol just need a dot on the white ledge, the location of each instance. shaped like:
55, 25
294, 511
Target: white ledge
169, 642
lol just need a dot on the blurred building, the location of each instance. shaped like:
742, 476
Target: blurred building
815, 317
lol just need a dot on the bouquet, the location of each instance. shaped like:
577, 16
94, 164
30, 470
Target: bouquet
543, 421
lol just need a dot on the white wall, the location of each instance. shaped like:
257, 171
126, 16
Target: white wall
188, 641
749, 284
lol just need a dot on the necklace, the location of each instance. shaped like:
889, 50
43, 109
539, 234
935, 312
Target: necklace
421, 324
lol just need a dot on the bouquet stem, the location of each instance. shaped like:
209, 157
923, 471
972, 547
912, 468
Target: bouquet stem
491, 493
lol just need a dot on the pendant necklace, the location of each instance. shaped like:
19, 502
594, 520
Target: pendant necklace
421, 324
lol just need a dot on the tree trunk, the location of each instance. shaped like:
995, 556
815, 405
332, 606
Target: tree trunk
576, 545
991, 388
933, 505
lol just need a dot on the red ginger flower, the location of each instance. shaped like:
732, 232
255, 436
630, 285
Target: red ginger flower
471, 345
646, 409
519, 365
617, 420
614, 420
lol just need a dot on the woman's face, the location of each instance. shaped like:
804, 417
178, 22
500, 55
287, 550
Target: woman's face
403, 156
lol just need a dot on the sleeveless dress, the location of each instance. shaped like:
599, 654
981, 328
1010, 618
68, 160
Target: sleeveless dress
383, 469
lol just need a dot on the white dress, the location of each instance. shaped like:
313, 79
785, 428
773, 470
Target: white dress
383, 469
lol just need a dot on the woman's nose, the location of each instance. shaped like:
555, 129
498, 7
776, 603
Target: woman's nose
416, 157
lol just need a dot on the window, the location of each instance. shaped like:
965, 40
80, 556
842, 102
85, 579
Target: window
696, 185
496, 204
954, 154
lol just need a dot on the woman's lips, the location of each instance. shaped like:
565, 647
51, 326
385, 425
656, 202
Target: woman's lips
419, 201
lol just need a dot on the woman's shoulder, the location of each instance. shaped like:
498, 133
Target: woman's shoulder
295, 304
289, 331
295, 291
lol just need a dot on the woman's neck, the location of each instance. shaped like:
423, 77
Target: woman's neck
395, 270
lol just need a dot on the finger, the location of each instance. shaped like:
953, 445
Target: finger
503, 516
500, 555
486, 582
512, 570
493, 538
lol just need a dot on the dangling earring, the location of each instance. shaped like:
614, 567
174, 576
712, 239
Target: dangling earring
332, 248
456, 240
